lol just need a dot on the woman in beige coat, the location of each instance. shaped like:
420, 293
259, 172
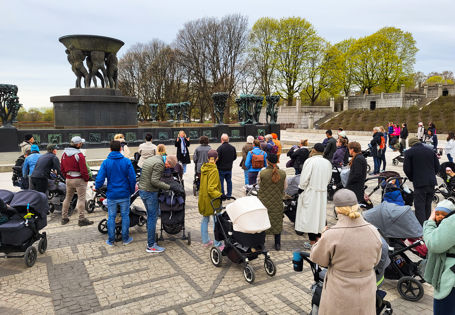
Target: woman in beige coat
350, 249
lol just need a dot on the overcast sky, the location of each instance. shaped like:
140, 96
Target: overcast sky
32, 58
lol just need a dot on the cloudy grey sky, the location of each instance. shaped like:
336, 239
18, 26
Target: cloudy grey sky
32, 58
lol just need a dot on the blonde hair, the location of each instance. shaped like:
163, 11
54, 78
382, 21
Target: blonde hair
161, 149
182, 134
119, 136
349, 211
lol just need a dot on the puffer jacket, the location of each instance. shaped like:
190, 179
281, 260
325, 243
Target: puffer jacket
146, 150
209, 189
152, 170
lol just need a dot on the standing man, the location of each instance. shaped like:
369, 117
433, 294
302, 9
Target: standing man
74, 169
46, 163
121, 184
376, 152
27, 143
331, 146
403, 136
226, 155
420, 166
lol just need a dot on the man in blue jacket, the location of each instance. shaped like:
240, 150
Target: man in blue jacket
121, 184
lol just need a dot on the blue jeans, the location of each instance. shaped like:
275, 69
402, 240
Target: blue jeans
124, 205
245, 174
226, 175
184, 168
205, 230
150, 200
377, 163
450, 158
446, 305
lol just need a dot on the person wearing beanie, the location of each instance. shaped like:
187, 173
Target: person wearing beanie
30, 161
352, 275
312, 203
246, 148
27, 143
271, 190
440, 258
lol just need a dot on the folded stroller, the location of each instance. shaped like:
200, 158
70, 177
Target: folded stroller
22, 220
242, 228
335, 182
396, 224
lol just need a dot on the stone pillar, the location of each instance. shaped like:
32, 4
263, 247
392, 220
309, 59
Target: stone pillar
439, 90
332, 104
402, 90
382, 95
298, 103
345, 103
425, 90
310, 122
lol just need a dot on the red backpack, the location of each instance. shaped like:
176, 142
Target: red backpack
382, 144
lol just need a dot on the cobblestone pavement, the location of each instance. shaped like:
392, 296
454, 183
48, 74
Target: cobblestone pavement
79, 274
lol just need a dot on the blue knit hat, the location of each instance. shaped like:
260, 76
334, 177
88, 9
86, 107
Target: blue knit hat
446, 206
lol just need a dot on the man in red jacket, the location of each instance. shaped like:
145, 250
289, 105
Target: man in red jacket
74, 169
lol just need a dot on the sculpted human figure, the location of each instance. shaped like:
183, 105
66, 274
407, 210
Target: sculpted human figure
76, 59
184, 108
257, 106
153, 111
219, 99
112, 70
95, 62
271, 111
170, 111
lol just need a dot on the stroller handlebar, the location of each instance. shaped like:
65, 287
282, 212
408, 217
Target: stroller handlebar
221, 198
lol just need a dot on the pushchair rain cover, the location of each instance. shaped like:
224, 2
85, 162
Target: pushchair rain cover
6, 195
248, 215
36, 200
293, 185
394, 221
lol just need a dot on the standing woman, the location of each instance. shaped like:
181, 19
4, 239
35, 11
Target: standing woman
450, 146
403, 136
271, 191
124, 150
183, 155
246, 148
358, 173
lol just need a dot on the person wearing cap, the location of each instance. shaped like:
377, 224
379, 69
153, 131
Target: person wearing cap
209, 189
46, 164
246, 148
420, 132
350, 250
278, 144
30, 162
312, 204
27, 143
74, 170
421, 166
440, 271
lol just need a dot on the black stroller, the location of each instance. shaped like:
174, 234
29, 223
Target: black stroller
447, 188
335, 182
392, 185
22, 220
17, 178
291, 197
56, 195
367, 153
242, 228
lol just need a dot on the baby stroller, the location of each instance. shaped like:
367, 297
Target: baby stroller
17, 178
22, 220
56, 195
399, 158
447, 188
396, 224
291, 197
196, 182
172, 208
395, 185
367, 153
242, 228
335, 182
137, 215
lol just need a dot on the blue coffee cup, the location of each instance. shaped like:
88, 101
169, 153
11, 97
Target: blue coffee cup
297, 261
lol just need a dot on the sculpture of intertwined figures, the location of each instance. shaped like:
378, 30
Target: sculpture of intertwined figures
170, 110
95, 64
184, 111
257, 106
272, 110
220, 100
76, 58
112, 70
153, 112
246, 108
240, 110
9, 102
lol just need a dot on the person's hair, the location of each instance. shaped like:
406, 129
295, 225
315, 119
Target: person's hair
451, 135
430, 131
115, 145
275, 174
182, 132
257, 143
349, 211
375, 128
119, 136
304, 142
268, 137
225, 137
340, 129
250, 139
28, 137
355, 146
328, 132
204, 140
161, 149
342, 141
381, 128
148, 137
51, 148
404, 124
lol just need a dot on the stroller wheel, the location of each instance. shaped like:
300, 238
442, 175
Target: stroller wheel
42, 245
142, 221
188, 236
248, 273
30, 256
118, 233
410, 289
435, 198
90, 206
216, 256
269, 267
102, 226
368, 168
51, 208
395, 162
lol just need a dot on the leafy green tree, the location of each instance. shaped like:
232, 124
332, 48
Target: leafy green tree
342, 51
437, 79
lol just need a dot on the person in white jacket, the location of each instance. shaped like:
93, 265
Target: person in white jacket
450, 146
420, 131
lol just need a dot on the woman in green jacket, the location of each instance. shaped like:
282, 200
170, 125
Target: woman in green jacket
440, 268
209, 189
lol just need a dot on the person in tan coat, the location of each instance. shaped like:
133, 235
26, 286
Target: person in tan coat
350, 250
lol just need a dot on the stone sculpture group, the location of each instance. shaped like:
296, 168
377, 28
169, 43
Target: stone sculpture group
250, 106
9, 104
175, 111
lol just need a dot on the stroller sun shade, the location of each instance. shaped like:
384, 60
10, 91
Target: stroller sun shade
394, 221
37, 201
6, 195
248, 215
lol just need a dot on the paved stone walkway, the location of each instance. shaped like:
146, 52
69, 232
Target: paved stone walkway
79, 274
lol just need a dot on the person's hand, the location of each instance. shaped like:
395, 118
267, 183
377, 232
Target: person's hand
188, 138
433, 215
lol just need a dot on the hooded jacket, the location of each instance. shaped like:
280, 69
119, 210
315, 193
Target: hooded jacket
73, 164
25, 145
121, 178
375, 142
210, 188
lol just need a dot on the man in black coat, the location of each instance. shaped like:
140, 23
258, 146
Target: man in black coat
403, 136
376, 151
299, 155
330, 147
420, 166
358, 171
226, 156
46, 164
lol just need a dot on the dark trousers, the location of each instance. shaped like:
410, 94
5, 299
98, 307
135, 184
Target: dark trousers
252, 178
40, 184
226, 175
314, 237
445, 306
377, 163
423, 197
382, 160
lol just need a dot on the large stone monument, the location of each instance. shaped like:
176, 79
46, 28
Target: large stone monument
91, 104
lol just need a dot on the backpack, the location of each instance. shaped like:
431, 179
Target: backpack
257, 160
382, 144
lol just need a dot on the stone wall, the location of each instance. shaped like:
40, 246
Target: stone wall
438, 90
300, 116
385, 100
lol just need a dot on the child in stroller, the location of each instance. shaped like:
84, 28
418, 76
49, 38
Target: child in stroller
395, 185
242, 228
21, 222
447, 188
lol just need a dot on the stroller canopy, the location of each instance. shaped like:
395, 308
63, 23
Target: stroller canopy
442, 169
248, 215
6, 195
293, 185
394, 221
36, 200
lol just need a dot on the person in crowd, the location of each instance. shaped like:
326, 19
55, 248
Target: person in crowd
271, 147
256, 159
342, 135
278, 144
74, 169
450, 178
246, 148
161, 150
358, 171
182, 144
27, 143
375, 145
331, 146
146, 150
298, 155
18, 178
403, 136
210, 189
30, 162
272, 183
263, 143
351, 277
226, 156
450, 146
439, 270
200, 153
383, 160
420, 132
125, 151
432, 127
121, 184
390, 133
312, 203
431, 139
341, 154
421, 166
46, 164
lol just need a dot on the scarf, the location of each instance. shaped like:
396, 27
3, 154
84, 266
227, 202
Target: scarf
183, 145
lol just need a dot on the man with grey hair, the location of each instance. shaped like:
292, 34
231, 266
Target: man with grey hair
376, 151
226, 156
